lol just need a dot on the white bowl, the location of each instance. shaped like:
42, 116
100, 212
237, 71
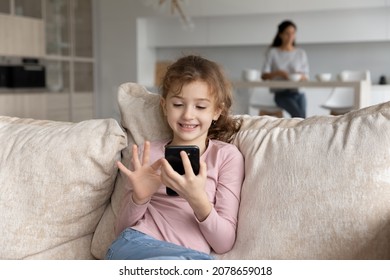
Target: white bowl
251, 75
324, 77
343, 76
295, 77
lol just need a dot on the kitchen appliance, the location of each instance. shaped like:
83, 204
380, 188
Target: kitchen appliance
4, 74
29, 73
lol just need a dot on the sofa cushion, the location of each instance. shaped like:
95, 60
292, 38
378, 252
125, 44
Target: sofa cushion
56, 179
315, 188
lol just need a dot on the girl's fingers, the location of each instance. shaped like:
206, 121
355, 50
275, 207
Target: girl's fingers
123, 168
146, 155
186, 163
135, 158
157, 164
168, 170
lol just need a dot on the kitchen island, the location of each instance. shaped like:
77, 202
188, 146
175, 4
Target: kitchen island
362, 89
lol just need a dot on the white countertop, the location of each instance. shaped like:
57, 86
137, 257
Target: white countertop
292, 84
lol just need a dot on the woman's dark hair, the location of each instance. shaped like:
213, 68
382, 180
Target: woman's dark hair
277, 42
196, 68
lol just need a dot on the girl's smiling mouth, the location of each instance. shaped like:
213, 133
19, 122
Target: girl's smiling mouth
188, 126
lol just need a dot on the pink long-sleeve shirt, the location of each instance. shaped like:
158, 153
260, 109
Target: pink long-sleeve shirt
170, 218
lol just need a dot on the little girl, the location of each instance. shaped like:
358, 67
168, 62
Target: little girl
196, 99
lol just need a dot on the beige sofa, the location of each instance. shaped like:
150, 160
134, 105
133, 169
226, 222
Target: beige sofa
317, 188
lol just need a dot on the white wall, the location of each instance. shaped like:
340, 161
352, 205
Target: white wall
248, 7
115, 50
354, 25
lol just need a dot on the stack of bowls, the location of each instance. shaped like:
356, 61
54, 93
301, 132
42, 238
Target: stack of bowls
324, 77
295, 77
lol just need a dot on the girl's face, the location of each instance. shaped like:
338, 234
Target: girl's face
190, 114
288, 35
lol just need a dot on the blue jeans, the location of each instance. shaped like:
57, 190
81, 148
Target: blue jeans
134, 245
293, 102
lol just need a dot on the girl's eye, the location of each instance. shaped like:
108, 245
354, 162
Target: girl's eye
201, 107
177, 104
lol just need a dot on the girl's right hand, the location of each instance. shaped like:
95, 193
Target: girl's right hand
145, 179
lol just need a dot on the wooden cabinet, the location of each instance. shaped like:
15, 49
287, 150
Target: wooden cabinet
82, 22
57, 22
28, 8
81, 102
59, 32
27, 41
69, 59
5, 6
21, 28
58, 106
23, 105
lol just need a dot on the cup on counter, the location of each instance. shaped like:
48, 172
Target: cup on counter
324, 77
251, 75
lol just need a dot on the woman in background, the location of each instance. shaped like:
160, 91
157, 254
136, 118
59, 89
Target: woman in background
284, 58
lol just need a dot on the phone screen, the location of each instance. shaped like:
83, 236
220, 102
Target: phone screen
172, 155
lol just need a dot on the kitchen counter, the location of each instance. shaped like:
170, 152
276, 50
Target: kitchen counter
362, 88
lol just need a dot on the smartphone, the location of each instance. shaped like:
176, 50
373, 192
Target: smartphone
172, 155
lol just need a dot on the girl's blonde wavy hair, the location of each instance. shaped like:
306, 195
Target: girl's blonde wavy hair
196, 68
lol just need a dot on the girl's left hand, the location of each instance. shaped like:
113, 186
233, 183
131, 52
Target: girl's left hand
189, 186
